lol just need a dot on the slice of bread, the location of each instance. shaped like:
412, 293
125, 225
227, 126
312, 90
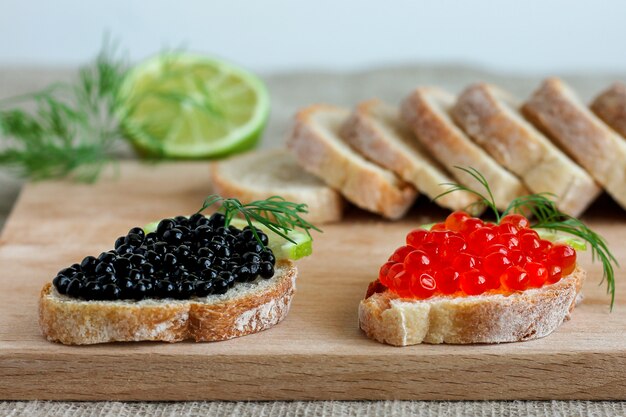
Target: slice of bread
262, 174
247, 308
426, 112
557, 111
610, 106
375, 130
490, 116
486, 318
316, 143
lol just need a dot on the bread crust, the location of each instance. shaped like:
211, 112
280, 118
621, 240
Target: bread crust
490, 116
555, 109
316, 144
375, 130
610, 106
325, 204
78, 322
487, 318
425, 111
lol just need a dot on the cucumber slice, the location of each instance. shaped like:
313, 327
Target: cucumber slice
282, 248
427, 226
151, 227
558, 237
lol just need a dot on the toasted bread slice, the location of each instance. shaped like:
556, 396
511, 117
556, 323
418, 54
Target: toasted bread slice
426, 112
262, 174
486, 318
490, 116
375, 130
556, 110
245, 309
316, 143
610, 106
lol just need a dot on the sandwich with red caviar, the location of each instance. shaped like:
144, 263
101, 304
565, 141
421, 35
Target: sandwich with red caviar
467, 280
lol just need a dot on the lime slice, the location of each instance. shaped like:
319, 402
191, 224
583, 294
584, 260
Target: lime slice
282, 248
190, 106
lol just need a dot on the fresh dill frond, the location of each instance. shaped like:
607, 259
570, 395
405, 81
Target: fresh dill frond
537, 205
487, 201
545, 214
65, 129
277, 214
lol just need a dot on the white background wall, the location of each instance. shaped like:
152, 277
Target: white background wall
274, 35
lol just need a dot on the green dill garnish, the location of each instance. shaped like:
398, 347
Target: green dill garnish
277, 214
482, 200
65, 129
546, 215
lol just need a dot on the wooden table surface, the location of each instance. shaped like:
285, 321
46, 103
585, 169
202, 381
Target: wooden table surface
318, 352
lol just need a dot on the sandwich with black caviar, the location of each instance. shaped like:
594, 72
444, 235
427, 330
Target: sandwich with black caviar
204, 278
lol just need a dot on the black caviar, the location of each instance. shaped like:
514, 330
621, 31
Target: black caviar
183, 258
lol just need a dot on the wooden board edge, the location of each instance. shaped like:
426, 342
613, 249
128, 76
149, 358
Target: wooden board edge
14, 209
85, 376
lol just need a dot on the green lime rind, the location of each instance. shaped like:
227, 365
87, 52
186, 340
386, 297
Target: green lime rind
138, 140
281, 247
149, 84
546, 234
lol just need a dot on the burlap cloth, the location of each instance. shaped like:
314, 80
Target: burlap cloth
289, 92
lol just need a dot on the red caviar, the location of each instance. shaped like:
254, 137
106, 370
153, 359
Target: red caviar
423, 285
455, 220
516, 220
537, 273
563, 256
515, 278
466, 256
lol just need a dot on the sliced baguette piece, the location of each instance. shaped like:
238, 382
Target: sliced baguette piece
556, 110
490, 116
316, 143
262, 174
375, 130
245, 309
610, 106
486, 318
426, 112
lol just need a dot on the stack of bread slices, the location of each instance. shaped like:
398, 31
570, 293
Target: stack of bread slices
379, 157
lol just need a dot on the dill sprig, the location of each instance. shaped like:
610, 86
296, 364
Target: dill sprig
482, 200
277, 214
65, 129
546, 215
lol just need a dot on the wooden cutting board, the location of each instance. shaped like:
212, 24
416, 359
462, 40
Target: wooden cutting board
318, 352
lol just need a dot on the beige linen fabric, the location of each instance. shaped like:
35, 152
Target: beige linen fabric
316, 409
288, 93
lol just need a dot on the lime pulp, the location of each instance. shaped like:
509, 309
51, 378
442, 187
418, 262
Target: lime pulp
190, 106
